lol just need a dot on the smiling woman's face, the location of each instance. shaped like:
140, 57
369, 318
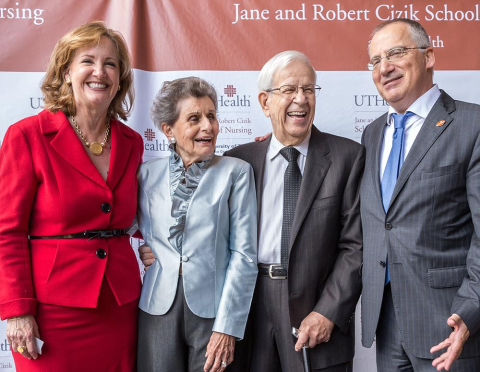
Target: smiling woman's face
195, 130
95, 75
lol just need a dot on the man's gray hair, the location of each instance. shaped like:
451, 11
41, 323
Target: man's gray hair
266, 78
418, 33
165, 108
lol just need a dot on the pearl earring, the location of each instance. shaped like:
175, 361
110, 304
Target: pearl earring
173, 140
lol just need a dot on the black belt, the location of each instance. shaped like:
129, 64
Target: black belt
87, 234
274, 271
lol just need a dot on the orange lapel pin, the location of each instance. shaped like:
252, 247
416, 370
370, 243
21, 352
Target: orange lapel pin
440, 123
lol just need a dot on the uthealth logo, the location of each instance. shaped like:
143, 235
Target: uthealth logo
238, 101
151, 143
149, 134
230, 91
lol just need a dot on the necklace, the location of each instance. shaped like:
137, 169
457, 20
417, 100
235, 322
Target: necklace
94, 147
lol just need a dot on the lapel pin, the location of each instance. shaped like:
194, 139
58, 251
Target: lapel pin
440, 123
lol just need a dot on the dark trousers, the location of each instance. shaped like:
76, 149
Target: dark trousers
174, 342
272, 340
391, 354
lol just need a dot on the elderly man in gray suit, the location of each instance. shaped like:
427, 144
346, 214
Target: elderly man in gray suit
310, 245
420, 207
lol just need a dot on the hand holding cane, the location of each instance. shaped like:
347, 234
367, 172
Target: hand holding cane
306, 356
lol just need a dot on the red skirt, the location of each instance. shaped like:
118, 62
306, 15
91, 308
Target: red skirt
103, 339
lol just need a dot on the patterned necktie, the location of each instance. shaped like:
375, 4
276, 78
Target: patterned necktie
292, 182
394, 163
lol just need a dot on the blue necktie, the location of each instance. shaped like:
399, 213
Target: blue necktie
394, 163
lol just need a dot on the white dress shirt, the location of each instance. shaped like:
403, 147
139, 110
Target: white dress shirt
421, 108
271, 216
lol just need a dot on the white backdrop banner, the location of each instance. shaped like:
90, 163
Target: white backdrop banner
227, 43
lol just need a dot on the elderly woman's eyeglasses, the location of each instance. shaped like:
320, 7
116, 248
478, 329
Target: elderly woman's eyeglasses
309, 90
392, 55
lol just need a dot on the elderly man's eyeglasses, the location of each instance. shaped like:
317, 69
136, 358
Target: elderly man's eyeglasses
292, 90
392, 55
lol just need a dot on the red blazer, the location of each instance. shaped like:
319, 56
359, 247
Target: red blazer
49, 186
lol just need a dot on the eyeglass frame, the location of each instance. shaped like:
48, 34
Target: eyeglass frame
316, 89
403, 51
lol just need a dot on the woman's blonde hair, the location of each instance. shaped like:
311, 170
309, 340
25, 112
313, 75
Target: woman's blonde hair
58, 94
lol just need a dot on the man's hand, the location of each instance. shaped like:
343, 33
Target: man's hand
146, 255
315, 328
454, 344
262, 138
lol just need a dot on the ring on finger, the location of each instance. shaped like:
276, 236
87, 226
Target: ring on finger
224, 364
21, 349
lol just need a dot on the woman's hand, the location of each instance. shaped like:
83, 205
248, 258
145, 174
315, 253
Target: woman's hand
21, 333
146, 255
219, 352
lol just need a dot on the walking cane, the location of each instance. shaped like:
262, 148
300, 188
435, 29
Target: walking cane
306, 356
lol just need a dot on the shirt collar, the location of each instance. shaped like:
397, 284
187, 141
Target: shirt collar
276, 146
422, 106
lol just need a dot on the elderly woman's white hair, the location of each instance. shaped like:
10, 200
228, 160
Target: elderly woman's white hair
278, 62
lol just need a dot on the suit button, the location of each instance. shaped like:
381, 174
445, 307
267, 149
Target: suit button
101, 253
383, 264
185, 258
106, 208
388, 226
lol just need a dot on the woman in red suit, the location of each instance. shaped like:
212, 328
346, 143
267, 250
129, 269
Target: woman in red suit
68, 193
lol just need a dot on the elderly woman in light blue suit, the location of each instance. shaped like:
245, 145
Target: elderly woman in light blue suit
197, 212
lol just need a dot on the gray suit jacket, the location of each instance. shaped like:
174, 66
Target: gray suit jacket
431, 230
326, 241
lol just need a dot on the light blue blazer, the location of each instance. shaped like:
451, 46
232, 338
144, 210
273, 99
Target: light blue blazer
219, 253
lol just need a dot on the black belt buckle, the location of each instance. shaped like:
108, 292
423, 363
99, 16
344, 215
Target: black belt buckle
97, 234
271, 274
91, 234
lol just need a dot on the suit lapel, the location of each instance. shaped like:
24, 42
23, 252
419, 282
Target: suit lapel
425, 139
258, 155
121, 148
377, 140
68, 146
316, 168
